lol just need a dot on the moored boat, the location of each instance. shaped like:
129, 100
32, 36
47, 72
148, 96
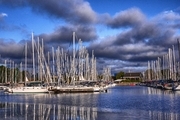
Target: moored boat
30, 87
28, 90
176, 86
77, 89
168, 86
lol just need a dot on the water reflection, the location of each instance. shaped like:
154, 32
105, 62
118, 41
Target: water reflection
18, 111
130, 103
11, 111
151, 90
156, 115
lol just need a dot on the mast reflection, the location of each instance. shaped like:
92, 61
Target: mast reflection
28, 111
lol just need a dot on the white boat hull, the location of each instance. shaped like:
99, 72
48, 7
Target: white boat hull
28, 90
177, 88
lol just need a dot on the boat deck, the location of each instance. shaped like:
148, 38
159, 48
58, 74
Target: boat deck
77, 89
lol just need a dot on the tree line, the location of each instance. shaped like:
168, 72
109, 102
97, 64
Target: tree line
11, 75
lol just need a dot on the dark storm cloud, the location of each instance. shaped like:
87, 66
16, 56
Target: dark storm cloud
139, 39
140, 43
127, 18
64, 34
73, 11
147, 32
77, 12
137, 28
12, 50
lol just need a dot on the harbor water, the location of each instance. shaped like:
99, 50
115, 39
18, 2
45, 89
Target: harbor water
118, 103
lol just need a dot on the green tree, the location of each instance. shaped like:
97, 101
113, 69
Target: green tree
2, 69
120, 75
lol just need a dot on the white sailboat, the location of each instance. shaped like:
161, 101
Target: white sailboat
29, 86
27, 89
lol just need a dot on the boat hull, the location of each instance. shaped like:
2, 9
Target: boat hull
177, 88
76, 89
28, 90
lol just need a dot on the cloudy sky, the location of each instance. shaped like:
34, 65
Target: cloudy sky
124, 34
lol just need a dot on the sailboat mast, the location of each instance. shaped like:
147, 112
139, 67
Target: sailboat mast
33, 57
13, 72
5, 72
73, 77
21, 72
174, 63
179, 58
25, 62
53, 70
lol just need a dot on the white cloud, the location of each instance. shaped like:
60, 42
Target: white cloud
2, 15
167, 16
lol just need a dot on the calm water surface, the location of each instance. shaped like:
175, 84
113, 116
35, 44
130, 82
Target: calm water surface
119, 103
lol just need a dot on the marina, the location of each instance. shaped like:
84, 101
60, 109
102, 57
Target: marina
84, 60
57, 72
164, 72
